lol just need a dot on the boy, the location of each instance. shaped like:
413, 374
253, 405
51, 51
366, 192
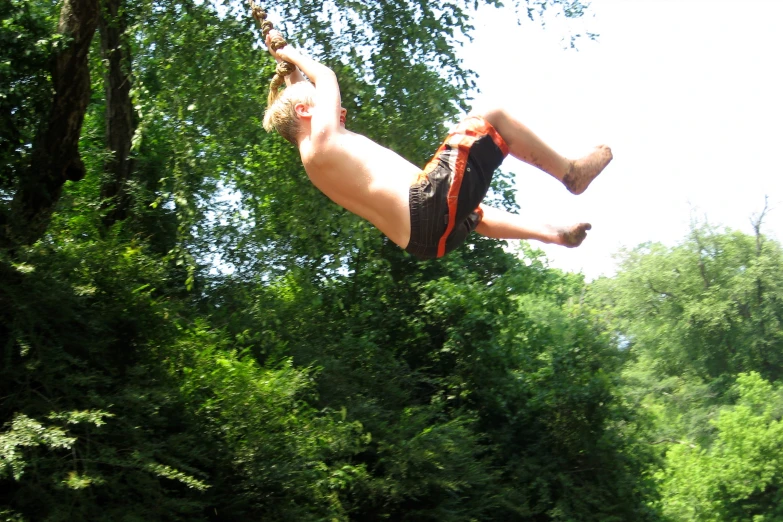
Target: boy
428, 213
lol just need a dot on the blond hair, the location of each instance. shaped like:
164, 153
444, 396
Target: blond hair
281, 114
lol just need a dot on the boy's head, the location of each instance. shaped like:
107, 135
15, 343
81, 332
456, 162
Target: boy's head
281, 115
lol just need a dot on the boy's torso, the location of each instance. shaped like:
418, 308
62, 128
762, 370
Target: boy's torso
364, 178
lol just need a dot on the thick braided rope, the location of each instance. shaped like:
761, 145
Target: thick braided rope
278, 42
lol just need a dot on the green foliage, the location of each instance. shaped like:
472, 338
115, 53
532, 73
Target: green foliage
239, 348
26, 44
710, 306
285, 460
739, 476
25, 432
71, 348
701, 325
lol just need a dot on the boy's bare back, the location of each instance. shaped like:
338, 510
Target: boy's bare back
362, 177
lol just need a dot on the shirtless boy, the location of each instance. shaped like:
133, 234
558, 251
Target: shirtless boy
428, 213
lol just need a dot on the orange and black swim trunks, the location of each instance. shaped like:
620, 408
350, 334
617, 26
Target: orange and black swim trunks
444, 200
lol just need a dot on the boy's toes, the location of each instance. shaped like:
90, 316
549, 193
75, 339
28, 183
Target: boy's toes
572, 237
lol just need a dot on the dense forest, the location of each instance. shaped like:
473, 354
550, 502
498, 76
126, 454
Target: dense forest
190, 331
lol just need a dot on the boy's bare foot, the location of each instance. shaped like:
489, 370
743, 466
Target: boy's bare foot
585, 170
572, 236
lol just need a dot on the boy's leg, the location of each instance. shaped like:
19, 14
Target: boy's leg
500, 224
524, 145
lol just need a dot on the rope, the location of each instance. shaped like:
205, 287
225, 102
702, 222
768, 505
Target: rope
278, 42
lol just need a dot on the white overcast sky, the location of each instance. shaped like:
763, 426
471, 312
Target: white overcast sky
689, 95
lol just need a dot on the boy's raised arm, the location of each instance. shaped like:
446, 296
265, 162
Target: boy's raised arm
327, 90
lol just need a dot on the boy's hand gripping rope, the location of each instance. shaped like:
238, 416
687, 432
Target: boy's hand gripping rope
277, 42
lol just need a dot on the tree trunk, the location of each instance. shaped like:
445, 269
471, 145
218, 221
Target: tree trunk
55, 156
120, 118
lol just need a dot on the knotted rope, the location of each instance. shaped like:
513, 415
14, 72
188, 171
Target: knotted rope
278, 42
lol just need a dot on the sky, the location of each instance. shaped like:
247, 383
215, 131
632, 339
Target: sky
689, 95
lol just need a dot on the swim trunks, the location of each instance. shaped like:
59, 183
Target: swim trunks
444, 200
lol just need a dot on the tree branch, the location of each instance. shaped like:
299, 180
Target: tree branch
672, 441
55, 155
120, 117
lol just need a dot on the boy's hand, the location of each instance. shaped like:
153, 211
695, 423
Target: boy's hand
272, 34
572, 236
284, 54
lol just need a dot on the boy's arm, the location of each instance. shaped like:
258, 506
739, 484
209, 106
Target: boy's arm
294, 77
499, 224
327, 90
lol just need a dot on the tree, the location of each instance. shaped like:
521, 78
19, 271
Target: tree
710, 306
55, 158
700, 322
314, 371
739, 476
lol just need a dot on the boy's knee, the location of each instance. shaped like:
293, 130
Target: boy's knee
494, 115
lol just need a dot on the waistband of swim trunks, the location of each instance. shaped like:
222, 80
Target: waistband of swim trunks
478, 126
